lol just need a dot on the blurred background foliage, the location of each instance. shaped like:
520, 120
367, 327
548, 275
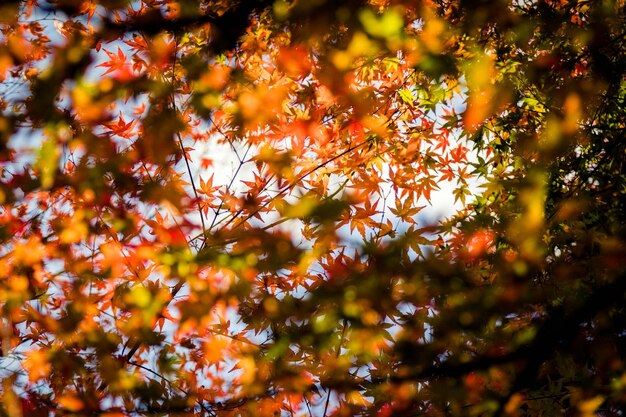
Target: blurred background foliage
312, 275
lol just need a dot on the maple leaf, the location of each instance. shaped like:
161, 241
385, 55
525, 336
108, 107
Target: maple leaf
122, 128
116, 64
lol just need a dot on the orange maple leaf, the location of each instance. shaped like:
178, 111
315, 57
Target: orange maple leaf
116, 64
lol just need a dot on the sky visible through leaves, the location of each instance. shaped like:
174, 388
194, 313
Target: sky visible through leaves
312, 208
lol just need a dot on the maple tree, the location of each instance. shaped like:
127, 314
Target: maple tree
229, 207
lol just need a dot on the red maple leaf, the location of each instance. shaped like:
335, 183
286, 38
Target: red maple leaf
116, 64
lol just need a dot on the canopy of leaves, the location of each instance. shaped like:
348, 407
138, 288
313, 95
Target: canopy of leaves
229, 208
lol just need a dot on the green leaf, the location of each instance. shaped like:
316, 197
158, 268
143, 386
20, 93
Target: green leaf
388, 25
48, 162
407, 96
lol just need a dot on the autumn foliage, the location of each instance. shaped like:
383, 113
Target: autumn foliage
312, 208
